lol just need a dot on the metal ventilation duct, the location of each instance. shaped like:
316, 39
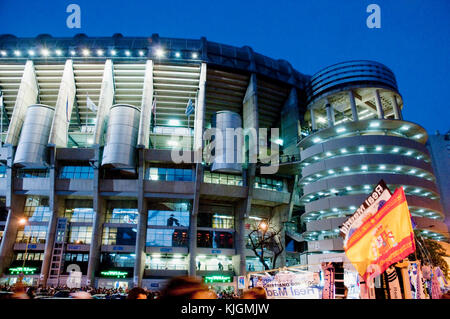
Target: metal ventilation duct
121, 136
231, 143
31, 150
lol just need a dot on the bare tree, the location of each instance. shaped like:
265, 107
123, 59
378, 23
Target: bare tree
266, 236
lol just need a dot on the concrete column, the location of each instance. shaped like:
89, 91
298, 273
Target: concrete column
292, 188
313, 119
250, 119
240, 211
351, 97
146, 107
97, 227
330, 114
379, 105
105, 102
396, 107
14, 204
61, 118
51, 229
193, 221
279, 217
27, 95
139, 266
200, 109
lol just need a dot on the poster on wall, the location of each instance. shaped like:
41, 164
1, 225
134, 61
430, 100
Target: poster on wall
289, 285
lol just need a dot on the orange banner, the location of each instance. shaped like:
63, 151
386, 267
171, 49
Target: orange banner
384, 239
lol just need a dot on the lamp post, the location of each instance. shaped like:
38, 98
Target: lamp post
263, 227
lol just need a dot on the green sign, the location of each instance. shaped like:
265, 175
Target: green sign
217, 278
25, 270
114, 273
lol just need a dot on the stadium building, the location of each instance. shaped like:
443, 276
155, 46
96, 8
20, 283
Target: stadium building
89, 183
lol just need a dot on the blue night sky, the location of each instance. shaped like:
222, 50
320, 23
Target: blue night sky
413, 40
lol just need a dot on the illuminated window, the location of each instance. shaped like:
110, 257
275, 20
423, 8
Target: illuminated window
220, 178
169, 174
32, 173
33, 234
167, 237
76, 172
79, 210
122, 212
119, 236
80, 235
268, 183
37, 209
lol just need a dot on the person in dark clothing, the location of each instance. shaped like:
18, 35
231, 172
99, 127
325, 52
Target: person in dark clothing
172, 220
185, 288
137, 293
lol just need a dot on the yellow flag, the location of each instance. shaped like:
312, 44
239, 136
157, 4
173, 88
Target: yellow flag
384, 239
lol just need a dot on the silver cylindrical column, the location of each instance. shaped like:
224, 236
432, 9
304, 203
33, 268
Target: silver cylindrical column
121, 136
31, 150
231, 143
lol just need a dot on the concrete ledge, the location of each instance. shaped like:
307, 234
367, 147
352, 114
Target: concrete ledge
75, 154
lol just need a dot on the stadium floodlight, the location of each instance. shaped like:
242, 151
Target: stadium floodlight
159, 52
174, 122
86, 52
58, 52
45, 52
113, 52
31, 52
3, 53
279, 141
17, 53
177, 54
127, 53
194, 55
141, 53
72, 52
99, 52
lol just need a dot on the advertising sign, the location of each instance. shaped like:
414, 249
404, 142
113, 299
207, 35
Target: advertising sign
290, 285
241, 282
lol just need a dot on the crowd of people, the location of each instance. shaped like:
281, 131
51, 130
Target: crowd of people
181, 288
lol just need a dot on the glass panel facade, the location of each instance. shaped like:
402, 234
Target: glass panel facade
178, 217
119, 236
2, 171
254, 264
221, 178
214, 239
221, 263
113, 260
167, 237
79, 210
76, 172
32, 173
268, 183
36, 209
169, 174
35, 233
80, 234
122, 212
166, 262
213, 220
29, 256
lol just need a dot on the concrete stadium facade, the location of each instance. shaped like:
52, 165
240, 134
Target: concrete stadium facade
102, 195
